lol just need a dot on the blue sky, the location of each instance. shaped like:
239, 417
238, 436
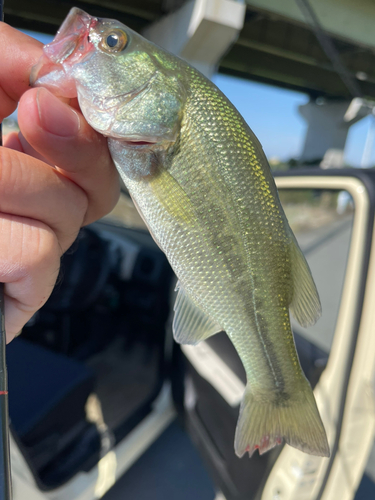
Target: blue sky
272, 113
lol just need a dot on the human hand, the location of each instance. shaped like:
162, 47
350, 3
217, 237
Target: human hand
42, 207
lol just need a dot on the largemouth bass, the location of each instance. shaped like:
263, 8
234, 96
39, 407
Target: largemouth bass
201, 181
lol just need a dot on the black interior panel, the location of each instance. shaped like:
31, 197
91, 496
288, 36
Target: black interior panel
212, 421
102, 331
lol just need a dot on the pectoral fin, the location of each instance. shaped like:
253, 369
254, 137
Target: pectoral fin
190, 323
305, 305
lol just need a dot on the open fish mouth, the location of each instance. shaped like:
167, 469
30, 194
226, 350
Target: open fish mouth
70, 46
73, 36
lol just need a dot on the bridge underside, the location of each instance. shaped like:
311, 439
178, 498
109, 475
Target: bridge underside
276, 44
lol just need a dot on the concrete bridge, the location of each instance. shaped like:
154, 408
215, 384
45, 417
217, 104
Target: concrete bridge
285, 43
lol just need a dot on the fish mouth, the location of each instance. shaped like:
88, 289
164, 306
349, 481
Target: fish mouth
143, 142
70, 45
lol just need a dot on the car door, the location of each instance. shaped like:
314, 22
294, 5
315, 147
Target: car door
332, 215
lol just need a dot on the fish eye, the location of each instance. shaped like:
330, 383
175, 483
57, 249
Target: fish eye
113, 41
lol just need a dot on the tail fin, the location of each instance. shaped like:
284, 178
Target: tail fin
264, 424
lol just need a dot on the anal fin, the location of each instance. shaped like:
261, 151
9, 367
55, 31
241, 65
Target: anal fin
190, 323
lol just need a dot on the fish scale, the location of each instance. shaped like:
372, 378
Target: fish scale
200, 179
199, 272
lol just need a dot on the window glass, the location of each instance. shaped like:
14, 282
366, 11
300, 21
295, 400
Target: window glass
322, 222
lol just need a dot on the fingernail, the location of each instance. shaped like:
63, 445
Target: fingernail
56, 117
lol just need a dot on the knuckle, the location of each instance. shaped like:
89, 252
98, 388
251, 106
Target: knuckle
27, 248
46, 251
9, 171
101, 202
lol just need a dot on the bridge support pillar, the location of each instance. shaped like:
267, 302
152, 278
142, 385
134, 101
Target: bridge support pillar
328, 127
200, 32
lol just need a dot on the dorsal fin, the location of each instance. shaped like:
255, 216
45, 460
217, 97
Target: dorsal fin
305, 305
190, 323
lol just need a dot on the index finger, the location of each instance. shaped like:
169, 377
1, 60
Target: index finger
18, 54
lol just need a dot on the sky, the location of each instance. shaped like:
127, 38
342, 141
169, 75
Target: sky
272, 114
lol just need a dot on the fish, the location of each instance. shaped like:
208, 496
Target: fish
201, 181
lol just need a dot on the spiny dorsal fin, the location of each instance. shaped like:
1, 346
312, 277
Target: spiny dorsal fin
190, 323
305, 305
